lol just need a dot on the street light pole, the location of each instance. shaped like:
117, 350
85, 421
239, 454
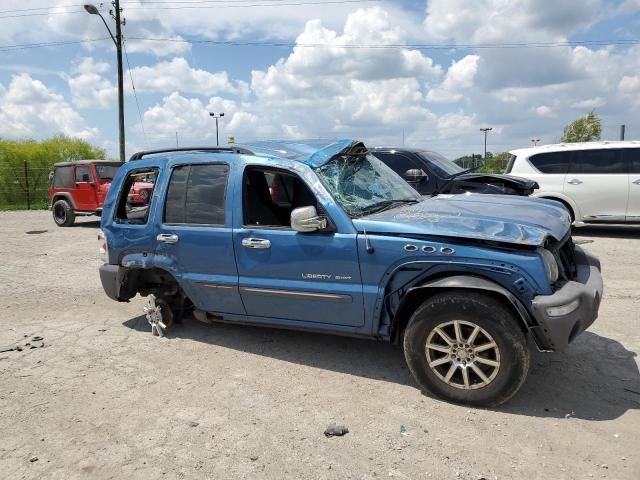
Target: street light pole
211, 114
535, 141
117, 40
486, 131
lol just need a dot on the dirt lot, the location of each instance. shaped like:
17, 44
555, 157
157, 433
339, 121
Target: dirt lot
105, 399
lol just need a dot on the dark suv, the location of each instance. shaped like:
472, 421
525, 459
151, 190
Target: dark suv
430, 174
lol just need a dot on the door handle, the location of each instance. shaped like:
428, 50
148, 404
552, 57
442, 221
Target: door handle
255, 243
167, 238
574, 181
636, 182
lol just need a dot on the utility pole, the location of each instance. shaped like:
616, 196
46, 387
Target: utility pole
177, 146
486, 131
26, 183
116, 4
622, 129
117, 40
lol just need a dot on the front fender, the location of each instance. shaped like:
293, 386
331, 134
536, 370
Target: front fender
418, 294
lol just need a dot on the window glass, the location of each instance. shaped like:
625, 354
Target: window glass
397, 162
196, 195
107, 172
176, 195
136, 196
441, 165
605, 161
631, 159
63, 177
512, 161
270, 196
552, 162
83, 174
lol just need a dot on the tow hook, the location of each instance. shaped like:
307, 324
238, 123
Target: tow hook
153, 313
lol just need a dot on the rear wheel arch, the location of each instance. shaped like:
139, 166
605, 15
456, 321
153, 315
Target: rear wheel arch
416, 296
67, 197
567, 204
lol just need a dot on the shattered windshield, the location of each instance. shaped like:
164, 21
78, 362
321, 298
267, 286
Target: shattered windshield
363, 185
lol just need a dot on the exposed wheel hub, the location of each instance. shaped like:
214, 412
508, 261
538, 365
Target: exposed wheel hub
153, 313
462, 354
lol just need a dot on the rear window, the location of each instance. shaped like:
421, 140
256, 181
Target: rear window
132, 207
631, 159
63, 177
604, 161
196, 195
552, 162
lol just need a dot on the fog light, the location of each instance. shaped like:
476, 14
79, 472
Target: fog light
562, 310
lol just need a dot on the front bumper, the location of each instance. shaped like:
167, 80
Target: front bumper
556, 332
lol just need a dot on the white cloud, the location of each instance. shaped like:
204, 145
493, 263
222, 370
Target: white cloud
544, 111
89, 88
178, 75
459, 77
630, 84
28, 108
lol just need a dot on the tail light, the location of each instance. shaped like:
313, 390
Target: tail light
104, 248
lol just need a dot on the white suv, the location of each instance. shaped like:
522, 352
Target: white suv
599, 182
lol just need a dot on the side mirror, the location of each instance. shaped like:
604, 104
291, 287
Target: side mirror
306, 220
415, 175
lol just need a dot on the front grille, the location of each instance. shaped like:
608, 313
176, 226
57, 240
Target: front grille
566, 257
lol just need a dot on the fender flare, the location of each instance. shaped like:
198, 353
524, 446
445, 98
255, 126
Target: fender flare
559, 197
456, 282
63, 195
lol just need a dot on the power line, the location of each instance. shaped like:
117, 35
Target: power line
329, 45
135, 94
26, 46
189, 5
395, 46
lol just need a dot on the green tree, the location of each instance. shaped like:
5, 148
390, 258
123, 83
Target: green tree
584, 129
39, 157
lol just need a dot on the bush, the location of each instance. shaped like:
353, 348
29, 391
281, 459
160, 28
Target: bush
39, 157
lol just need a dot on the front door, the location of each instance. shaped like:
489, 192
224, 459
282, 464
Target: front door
283, 274
84, 195
631, 158
195, 240
598, 183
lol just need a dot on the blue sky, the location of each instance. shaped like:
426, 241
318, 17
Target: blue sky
328, 85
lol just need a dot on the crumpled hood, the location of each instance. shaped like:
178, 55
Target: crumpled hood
500, 218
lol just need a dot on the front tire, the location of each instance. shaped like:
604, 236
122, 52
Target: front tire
467, 348
63, 213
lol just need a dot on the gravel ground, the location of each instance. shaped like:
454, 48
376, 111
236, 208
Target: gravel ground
104, 399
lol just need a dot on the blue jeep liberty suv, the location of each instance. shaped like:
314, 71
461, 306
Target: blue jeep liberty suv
326, 237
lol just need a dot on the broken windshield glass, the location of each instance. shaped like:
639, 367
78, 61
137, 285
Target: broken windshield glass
363, 185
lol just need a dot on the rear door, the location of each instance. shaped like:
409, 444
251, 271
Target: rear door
195, 236
85, 191
631, 158
598, 183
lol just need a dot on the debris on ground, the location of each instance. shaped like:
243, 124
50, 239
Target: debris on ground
33, 459
336, 430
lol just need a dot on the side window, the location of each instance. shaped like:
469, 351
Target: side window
604, 161
83, 175
63, 177
397, 162
269, 196
553, 162
136, 196
631, 159
196, 195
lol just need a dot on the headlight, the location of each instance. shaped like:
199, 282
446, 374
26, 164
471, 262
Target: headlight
550, 264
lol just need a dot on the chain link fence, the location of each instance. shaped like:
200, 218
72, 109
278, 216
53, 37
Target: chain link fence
24, 187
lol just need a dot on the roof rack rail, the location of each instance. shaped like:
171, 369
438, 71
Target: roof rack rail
225, 149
